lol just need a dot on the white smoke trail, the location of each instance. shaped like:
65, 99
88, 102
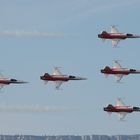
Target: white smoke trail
31, 109
28, 34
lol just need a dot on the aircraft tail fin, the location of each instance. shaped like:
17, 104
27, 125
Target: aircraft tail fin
46, 74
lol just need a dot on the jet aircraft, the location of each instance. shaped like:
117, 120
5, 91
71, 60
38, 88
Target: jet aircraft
58, 78
118, 71
116, 36
121, 109
6, 81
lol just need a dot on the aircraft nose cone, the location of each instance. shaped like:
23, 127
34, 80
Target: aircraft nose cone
21, 82
41, 77
24, 82
77, 78
83, 78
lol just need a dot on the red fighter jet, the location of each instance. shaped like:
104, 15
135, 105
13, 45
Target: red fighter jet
6, 81
59, 78
116, 36
118, 71
121, 109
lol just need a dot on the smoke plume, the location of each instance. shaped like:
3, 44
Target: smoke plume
28, 34
31, 109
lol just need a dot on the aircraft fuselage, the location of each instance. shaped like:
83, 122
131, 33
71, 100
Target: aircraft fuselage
106, 35
127, 109
11, 81
48, 77
124, 71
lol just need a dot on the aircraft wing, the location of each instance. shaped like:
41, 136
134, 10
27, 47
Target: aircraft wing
57, 71
114, 29
58, 84
3, 77
118, 77
115, 42
122, 116
116, 64
120, 102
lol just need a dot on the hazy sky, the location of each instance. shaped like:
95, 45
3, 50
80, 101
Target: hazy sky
37, 35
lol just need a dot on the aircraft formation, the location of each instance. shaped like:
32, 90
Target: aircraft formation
117, 70
57, 77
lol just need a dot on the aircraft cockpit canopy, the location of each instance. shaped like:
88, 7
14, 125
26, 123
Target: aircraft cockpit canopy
132, 70
136, 107
72, 76
13, 80
129, 35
